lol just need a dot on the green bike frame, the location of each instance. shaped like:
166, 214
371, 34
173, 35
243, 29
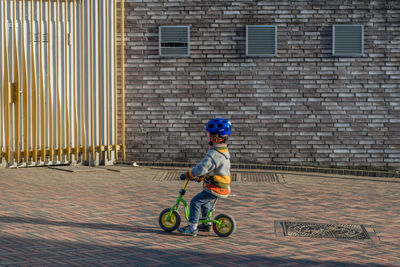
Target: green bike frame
186, 208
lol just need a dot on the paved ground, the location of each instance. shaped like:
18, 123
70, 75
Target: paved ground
105, 218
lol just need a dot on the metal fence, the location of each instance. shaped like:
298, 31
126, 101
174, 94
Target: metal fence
59, 81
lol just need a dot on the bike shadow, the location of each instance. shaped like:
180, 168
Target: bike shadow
96, 226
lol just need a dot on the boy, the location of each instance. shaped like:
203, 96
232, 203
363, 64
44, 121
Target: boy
215, 166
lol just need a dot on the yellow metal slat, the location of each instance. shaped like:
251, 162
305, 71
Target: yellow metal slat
57, 81
16, 87
107, 84
6, 89
100, 56
33, 88
24, 85
123, 76
68, 138
91, 81
41, 87
74, 87
83, 84
50, 99
115, 78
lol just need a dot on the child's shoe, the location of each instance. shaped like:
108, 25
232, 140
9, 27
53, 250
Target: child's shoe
204, 227
187, 230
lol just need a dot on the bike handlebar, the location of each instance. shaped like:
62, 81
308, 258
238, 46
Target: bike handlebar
197, 179
184, 187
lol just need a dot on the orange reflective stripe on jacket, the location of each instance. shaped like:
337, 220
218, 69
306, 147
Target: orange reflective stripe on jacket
219, 190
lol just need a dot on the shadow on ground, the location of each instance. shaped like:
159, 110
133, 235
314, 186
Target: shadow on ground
45, 252
97, 226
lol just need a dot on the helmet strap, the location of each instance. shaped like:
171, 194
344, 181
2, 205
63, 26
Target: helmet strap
215, 139
210, 143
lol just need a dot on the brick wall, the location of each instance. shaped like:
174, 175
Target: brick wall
302, 107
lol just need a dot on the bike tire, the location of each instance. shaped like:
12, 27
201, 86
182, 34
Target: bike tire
228, 229
169, 226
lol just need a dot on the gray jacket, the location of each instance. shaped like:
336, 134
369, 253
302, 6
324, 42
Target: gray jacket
216, 167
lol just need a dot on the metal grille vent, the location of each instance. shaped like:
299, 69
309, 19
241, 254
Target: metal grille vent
260, 40
174, 40
348, 40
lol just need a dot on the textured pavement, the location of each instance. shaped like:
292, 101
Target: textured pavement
106, 218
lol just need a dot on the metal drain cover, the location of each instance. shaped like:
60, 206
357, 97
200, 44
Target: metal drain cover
258, 177
325, 230
244, 177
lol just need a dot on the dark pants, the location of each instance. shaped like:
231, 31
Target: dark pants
200, 203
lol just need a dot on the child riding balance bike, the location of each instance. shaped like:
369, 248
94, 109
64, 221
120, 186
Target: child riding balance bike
214, 171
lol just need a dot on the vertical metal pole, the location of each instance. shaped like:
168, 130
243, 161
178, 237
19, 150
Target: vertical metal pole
41, 85
1, 86
74, 87
99, 77
107, 86
34, 96
66, 88
6, 88
60, 146
115, 79
123, 76
91, 80
16, 87
50, 99
24, 86
83, 109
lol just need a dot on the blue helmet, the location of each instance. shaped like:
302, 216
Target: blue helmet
219, 126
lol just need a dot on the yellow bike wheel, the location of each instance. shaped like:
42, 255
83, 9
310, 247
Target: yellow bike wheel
228, 226
171, 223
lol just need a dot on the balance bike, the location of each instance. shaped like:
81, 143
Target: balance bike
169, 219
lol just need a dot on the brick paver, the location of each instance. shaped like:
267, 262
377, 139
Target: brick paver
105, 218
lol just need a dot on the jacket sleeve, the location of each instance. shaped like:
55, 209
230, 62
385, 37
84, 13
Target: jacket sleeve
205, 166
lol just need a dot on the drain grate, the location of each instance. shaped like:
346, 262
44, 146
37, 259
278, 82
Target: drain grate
244, 177
258, 177
170, 176
324, 230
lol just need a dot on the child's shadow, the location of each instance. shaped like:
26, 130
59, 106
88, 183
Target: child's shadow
97, 226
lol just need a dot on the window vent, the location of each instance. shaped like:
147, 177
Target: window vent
348, 40
260, 40
174, 40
